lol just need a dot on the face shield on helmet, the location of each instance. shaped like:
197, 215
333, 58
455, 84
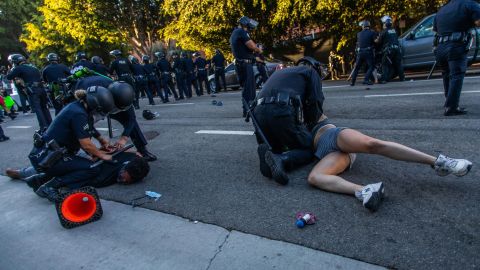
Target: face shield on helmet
52, 57
123, 96
247, 22
99, 101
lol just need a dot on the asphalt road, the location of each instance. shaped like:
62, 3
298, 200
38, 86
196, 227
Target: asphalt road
426, 222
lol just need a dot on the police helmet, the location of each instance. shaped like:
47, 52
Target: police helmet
116, 53
195, 54
217, 51
52, 57
183, 54
123, 94
145, 59
99, 100
247, 22
133, 59
309, 61
80, 55
148, 115
386, 19
97, 60
16, 59
364, 24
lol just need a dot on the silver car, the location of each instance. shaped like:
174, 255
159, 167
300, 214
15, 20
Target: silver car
417, 44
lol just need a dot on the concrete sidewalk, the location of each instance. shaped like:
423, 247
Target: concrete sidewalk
31, 237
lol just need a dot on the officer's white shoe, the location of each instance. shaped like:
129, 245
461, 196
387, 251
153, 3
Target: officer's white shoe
445, 166
372, 196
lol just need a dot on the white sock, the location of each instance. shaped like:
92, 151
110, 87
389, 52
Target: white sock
359, 195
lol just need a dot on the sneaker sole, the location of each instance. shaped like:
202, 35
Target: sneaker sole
276, 168
264, 168
374, 203
465, 172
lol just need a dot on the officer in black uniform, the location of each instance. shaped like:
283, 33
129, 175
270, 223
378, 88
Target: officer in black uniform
452, 25
365, 46
99, 65
52, 74
218, 60
243, 49
81, 62
179, 68
164, 70
33, 86
287, 108
122, 67
391, 53
141, 80
123, 96
189, 74
202, 74
153, 81
72, 129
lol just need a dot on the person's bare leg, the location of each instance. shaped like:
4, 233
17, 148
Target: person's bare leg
324, 174
352, 141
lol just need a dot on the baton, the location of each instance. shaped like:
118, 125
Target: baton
100, 162
431, 70
255, 123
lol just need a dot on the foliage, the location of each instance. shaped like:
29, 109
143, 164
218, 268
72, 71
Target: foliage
13, 13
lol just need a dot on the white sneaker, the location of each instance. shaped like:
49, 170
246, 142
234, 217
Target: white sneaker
445, 166
372, 195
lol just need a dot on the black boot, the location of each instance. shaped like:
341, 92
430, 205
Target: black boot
49, 190
264, 168
274, 161
36, 180
147, 155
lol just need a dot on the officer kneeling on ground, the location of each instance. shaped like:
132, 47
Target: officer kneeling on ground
55, 152
124, 113
288, 106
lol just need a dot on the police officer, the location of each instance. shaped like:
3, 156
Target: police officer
52, 74
334, 63
189, 74
123, 96
261, 65
153, 82
202, 74
452, 25
31, 83
72, 129
243, 48
141, 80
81, 62
391, 53
99, 65
218, 61
164, 70
179, 68
365, 46
288, 106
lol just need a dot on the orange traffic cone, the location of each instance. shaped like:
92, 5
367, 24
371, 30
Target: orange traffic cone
79, 207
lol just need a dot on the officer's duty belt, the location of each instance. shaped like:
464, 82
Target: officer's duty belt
454, 37
200, 69
272, 100
248, 61
166, 72
365, 49
124, 75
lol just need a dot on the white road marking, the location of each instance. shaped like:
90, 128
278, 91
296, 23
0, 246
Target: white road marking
106, 129
335, 86
415, 94
176, 104
225, 132
19, 127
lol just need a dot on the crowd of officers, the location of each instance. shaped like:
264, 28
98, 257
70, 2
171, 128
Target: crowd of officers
388, 49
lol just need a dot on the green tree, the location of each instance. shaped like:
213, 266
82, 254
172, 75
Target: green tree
13, 13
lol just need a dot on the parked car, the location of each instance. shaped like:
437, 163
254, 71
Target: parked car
417, 44
231, 77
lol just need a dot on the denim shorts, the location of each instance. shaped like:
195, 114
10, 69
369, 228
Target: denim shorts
327, 143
